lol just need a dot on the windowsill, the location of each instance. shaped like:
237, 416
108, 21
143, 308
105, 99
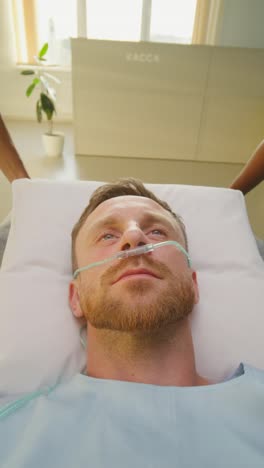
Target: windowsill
47, 68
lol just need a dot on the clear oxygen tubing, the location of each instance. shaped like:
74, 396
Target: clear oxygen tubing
10, 408
131, 252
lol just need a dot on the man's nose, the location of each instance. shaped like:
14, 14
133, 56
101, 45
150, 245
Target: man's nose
133, 237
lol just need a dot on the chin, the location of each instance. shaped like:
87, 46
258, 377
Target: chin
138, 286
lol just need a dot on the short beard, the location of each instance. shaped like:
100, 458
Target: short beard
143, 314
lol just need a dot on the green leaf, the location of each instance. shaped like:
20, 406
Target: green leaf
36, 81
43, 50
47, 105
27, 72
30, 89
39, 111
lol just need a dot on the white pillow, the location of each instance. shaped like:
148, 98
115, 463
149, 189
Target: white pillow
39, 338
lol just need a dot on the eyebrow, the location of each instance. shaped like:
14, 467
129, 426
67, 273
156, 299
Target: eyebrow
103, 223
156, 218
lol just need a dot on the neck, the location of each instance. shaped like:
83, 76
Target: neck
165, 357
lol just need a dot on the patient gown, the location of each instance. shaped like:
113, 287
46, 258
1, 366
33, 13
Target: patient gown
98, 423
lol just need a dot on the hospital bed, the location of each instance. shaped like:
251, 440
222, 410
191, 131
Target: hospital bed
39, 337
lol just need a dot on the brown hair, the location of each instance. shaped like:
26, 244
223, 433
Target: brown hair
126, 186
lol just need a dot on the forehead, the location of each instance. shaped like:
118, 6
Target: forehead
114, 205
125, 208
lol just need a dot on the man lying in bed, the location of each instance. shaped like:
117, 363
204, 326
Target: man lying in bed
141, 402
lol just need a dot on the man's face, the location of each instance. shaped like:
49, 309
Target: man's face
140, 293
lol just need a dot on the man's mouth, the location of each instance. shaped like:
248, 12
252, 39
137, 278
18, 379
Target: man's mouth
136, 272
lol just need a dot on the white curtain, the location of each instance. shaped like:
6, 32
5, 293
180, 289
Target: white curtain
207, 22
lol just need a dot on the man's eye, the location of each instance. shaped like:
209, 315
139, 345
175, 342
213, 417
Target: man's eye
107, 236
157, 232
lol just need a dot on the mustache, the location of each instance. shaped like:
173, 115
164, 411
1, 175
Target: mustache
141, 261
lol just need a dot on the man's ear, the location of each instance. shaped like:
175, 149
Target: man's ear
74, 300
195, 287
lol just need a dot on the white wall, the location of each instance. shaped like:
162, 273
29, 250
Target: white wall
13, 102
242, 24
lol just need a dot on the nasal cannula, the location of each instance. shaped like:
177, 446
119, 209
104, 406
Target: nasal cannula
131, 252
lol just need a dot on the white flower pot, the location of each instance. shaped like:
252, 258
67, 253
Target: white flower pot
53, 144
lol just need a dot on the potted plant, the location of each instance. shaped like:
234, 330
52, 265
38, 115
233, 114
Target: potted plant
45, 105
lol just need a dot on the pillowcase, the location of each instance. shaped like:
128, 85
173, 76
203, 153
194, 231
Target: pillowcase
39, 337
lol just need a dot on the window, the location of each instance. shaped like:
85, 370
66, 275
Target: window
114, 19
172, 21
40, 21
55, 21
